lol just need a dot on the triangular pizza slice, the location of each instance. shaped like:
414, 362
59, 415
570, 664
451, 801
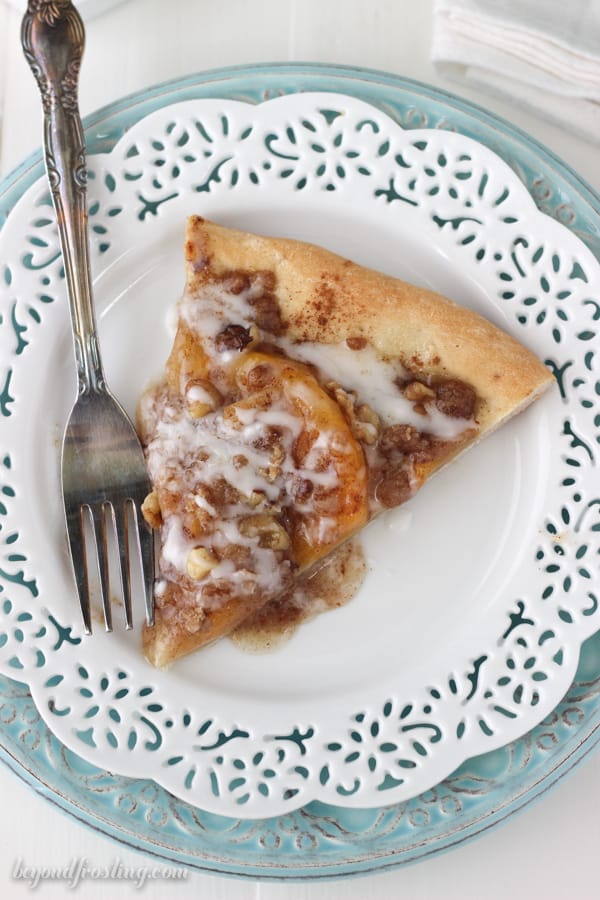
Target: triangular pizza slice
303, 395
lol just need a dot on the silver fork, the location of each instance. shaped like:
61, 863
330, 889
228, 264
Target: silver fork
104, 477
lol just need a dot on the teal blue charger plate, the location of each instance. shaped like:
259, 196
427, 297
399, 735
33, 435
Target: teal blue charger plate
321, 841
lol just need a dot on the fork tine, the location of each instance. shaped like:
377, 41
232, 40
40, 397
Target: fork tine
99, 523
145, 542
77, 549
122, 527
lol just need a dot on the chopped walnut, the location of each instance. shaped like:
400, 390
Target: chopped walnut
230, 417
417, 392
195, 518
365, 432
200, 562
271, 473
363, 420
241, 556
405, 440
277, 455
151, 510
400, 439
271, 533
366, 414
270, 442
344, 399
367, 424
221, 493
201, 397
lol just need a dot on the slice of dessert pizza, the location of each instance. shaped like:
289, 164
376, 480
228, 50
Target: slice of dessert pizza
303, 395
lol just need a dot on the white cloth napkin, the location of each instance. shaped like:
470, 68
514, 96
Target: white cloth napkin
543, 54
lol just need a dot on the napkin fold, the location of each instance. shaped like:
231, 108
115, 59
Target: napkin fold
544, 55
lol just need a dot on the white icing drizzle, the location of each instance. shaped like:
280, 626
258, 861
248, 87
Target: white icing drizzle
173, 453
374, 381
363, 371
175, 546
230, 445
208, 313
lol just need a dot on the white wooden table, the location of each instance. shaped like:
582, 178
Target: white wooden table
550, 850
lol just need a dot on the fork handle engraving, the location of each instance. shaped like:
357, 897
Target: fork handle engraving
53, 38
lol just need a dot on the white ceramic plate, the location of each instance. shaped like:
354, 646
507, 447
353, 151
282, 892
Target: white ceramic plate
468, 628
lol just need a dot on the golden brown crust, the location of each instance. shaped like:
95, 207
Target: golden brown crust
326, 299
167, 641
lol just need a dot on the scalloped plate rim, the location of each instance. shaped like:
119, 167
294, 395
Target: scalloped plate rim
401, 82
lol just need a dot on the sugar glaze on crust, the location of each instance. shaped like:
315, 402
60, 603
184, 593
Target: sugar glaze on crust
303, 395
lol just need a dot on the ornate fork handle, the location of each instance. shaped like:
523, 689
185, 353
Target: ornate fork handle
53, 40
